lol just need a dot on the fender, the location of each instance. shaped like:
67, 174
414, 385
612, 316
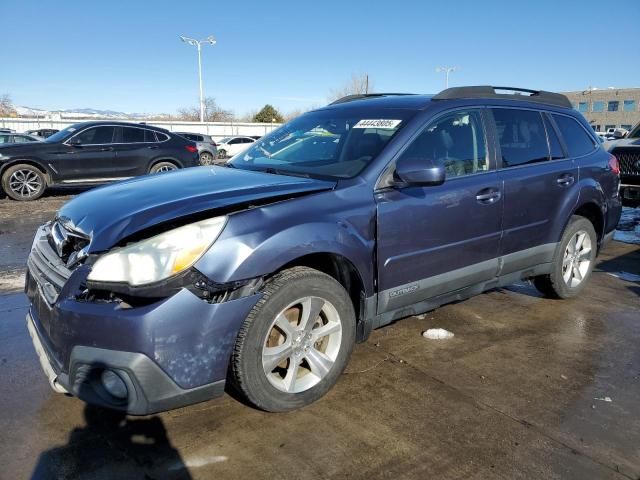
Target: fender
260, 242
591, 192
36, 162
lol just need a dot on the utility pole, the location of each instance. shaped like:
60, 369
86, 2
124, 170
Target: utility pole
210, 40
447, 71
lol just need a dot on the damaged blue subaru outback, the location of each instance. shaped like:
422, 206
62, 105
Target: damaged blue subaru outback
261, 275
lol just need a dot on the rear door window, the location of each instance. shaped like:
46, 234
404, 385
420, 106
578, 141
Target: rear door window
577, 140
5, 138
132, 135
522, 136
554, 143
149, 136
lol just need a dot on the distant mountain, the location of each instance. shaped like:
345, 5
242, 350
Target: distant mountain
80, 113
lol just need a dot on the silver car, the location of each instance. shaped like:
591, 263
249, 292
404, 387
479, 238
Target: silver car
17, 138
207, 148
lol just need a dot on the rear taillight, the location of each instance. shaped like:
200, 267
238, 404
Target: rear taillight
191, 148
614, 165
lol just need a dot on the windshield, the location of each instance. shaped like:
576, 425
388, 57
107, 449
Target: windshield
61, 135
223, 140
635, 133
331, 143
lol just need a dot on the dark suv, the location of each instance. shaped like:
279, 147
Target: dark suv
153, 293
91, 153
627, 151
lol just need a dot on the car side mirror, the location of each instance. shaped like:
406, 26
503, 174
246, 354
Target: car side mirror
420, 171
74, 141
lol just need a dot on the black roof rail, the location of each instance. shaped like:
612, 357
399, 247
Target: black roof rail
360, 96
488, 91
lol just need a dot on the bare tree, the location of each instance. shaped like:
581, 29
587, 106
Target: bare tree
6, 107
212, 112
357, 85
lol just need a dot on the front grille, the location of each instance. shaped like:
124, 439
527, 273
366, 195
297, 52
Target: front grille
67, 243
629, 159
46, 267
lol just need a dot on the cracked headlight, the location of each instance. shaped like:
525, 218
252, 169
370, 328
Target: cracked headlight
159, 257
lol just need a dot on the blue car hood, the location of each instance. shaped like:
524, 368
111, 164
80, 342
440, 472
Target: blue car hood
109, 214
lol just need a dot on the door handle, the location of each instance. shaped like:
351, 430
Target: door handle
107, 149
565, 180
152, 147
488, 195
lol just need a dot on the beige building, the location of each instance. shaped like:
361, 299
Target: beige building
608, 107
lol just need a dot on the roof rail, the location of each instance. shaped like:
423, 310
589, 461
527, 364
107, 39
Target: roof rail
487, 91
360, 96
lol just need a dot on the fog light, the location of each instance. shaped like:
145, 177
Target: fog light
113, 384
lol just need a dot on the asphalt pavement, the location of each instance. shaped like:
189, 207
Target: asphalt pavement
527, 388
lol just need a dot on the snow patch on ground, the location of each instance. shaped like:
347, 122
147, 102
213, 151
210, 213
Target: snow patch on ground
437, 334
11, 281
628, 230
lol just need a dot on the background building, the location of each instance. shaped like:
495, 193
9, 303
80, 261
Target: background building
608, 108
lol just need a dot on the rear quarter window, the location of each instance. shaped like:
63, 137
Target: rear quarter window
577, 140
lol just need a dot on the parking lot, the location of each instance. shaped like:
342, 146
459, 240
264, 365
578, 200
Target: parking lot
527, 388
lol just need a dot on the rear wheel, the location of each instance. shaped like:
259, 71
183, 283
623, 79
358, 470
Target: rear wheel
295, 342
206, 158
163, 167
23, 182
572, 262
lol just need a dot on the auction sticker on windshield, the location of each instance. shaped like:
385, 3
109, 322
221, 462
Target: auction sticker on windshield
380, 123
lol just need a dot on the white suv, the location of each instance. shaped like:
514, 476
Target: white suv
230, 146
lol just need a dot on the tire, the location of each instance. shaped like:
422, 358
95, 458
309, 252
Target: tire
24, 182
163, 167
222, 154
206, 158
570, 270
286, 297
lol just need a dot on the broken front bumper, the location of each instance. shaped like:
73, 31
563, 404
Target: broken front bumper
170, 353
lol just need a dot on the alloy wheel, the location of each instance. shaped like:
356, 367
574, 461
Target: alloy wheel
25, 183
165, 168
302, 344
206, 158
577, 259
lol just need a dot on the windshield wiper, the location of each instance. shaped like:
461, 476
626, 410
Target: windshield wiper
277, 171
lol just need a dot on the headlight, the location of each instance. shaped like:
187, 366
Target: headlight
158, 257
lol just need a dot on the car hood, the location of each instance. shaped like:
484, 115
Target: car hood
109, 214
623, 142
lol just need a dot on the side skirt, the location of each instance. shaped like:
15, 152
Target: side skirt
458, 295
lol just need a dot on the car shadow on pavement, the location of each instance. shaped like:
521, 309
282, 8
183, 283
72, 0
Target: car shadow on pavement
113, 446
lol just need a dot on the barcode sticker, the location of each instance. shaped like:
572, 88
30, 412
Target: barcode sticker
379, 123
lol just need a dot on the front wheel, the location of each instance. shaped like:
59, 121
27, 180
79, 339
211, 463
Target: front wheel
572, 262
163, 167
295, 342
23, 182
222, 154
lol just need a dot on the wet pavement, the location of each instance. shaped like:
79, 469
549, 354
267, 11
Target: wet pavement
527, 388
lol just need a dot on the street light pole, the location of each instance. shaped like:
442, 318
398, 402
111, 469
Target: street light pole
447, 71
198, 44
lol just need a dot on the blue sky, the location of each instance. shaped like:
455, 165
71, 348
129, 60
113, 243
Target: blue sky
126, 55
